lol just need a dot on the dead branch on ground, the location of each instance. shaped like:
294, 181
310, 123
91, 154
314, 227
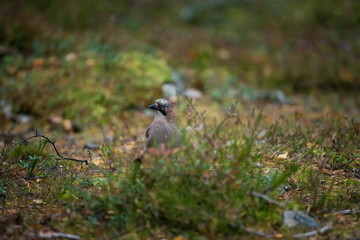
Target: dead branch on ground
269, 200
37, 135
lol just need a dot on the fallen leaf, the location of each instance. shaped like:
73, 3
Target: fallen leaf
11, 211
53, 61
129, 145
346, 75
90, 62
97, 161
267, 70
179, 238
110, 212
224, 54
310, 145
21, 74
278, 235
357, 128
38, 63
11, 70
288, 196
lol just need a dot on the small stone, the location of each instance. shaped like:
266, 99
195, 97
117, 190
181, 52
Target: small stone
38, 201
261, 134
260, 165
22, 118
193, 93
6, 109
170, 91
55, 119
71, 57
283, 156
294, 218
67, 124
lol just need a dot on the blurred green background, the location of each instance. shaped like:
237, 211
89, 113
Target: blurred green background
85, 60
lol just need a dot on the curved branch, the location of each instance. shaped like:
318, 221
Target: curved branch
60, 156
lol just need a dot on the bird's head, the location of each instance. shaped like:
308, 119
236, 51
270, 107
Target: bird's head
164, 106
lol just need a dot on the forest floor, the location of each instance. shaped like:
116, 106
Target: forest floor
320, 140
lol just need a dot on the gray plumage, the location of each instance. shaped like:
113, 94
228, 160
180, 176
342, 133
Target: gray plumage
162, 132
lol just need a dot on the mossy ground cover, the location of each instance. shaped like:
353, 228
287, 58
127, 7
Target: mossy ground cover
279, 117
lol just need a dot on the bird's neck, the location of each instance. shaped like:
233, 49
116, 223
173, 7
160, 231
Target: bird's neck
170, 117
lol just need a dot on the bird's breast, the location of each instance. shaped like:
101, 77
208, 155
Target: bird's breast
162, 132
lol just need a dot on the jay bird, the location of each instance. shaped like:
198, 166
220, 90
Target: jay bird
162, 132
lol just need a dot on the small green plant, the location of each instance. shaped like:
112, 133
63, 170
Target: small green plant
34, 159
107, 156
30, 165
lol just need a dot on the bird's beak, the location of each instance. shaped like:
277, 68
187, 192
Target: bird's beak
153, 106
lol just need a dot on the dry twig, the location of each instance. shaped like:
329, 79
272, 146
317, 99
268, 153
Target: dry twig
37, 135
49, 235
269, 199
315, 232
346, 212
258, 233
322, 230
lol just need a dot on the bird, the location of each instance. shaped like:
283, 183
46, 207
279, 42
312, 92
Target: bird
162, 133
